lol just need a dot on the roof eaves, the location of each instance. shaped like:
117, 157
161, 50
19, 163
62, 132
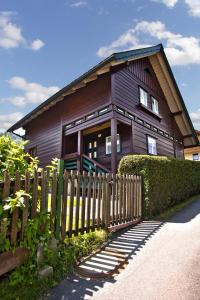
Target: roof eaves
180, 96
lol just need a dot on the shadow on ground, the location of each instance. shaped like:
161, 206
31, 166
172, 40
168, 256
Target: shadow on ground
127, 242
187, 214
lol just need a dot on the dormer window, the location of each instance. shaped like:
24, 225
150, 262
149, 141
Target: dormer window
143, 97
155, 107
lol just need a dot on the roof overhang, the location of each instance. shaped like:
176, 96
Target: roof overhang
164, 75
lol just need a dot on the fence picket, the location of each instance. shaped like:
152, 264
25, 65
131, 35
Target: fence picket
15, 214
103, 200
71, 205
53, 200
25, 209
77, 203
89, 201
6, 186
120, 198
43, 204
34, 195
117, 200
94, 199
113, 193
107, 214
99, 221
83, 202
64, 206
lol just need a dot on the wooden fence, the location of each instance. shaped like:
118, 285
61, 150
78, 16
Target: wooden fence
76, 203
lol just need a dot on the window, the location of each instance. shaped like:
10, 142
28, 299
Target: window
92, 149
155, 108
152, 146
195, 156
143, 96
108, 144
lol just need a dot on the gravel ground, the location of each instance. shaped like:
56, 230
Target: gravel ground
164, 263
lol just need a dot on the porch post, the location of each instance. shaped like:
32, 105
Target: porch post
113, 145
80, 149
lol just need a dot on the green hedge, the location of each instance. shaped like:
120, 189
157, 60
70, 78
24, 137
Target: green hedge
167, 181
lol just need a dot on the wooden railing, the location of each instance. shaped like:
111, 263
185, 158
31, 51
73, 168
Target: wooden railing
92, 166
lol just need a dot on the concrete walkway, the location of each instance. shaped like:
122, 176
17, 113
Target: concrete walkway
164, 263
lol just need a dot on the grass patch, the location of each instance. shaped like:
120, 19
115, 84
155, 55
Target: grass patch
175, 209
23, 283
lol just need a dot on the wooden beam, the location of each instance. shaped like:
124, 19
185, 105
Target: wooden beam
187, 136
113, 145
80, 149
177, 113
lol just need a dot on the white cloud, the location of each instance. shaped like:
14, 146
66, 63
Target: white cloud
194, 7
168, 3
79, 4
33, 93
126, 41
180, 50
195, 117
37, 45
11, 34
8, 120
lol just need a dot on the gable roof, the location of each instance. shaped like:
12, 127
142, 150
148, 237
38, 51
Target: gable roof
163, 72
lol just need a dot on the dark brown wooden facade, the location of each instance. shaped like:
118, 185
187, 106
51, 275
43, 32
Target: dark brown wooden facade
104, 107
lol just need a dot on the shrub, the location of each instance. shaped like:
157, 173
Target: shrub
167, 181
13, 158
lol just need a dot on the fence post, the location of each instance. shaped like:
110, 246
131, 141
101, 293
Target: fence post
59, 197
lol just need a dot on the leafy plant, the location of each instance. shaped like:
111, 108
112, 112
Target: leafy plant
13, 158
18, 200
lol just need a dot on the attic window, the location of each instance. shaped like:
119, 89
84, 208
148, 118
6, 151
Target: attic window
147, 71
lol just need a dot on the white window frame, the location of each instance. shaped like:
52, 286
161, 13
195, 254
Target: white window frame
152, 145
108, 144
155, 105
193, 156
143, 96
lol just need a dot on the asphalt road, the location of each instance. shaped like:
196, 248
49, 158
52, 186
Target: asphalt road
164, 263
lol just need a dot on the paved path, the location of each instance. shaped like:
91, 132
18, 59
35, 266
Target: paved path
164, 263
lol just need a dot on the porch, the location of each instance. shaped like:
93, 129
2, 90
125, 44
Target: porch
98, 148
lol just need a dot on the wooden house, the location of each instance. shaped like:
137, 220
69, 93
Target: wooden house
128, 104
193, 153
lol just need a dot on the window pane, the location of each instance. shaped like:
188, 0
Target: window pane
143, 96
90, 145
196, 156
118, 143
108, 144
95, 144
152, 147
155, 105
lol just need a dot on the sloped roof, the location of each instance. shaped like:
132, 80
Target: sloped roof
162, 69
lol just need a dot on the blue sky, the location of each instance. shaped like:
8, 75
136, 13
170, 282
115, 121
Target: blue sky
45, 44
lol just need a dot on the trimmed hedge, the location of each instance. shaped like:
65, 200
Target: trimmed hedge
167, 181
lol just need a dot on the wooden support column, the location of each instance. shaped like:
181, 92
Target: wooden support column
80, 150
113, 145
